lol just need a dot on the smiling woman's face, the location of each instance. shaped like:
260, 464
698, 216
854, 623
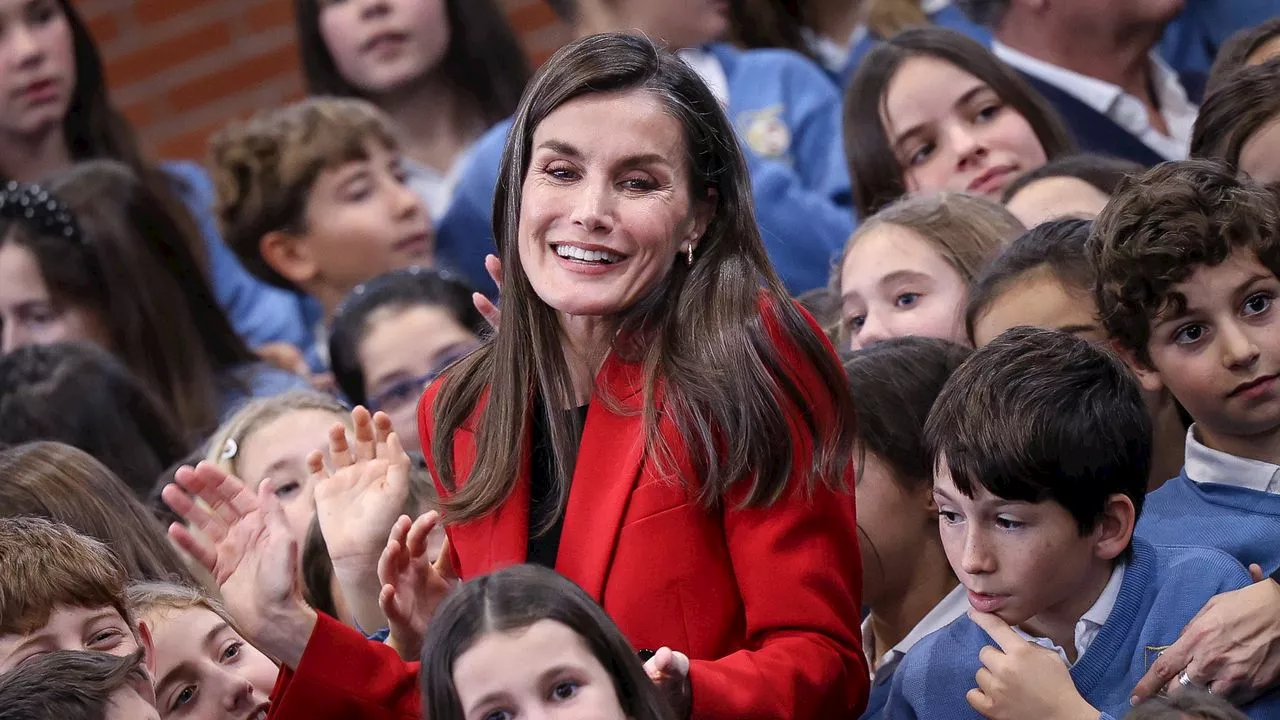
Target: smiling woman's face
607, 208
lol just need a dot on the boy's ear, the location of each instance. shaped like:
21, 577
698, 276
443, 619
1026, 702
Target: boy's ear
148, 647
1148, 378
290, 255
1114, 531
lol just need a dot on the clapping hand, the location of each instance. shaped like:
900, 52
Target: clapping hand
412, 586
1020, 679
245, 541
669, 670
357, 503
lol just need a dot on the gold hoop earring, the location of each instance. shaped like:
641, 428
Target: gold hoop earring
689, 258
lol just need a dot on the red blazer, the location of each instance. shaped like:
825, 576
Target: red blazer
765, 601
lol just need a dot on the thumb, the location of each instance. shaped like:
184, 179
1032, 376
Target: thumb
1255, 572
444, 564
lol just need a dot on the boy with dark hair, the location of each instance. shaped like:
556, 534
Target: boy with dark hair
1041, 444
60, 590
75, 685
1186, 259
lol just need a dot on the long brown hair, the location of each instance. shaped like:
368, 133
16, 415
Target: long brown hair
876, 173
699, 336
68, 486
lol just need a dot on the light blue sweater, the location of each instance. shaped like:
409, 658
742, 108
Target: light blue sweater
1241, 522
803, 198
1163, 588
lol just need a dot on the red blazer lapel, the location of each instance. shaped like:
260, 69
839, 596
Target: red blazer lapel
606, 473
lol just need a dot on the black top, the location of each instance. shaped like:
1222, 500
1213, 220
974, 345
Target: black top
544, 547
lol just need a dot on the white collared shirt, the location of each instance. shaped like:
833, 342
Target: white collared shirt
1090, 624
434, 187
708, 67
1206, 465
955, 604
1123, 109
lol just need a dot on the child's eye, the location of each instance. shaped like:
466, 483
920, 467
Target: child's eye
287, 490
184, 697
232, 651
1188, 334
949, 517
906, 299
1256, 304
498, 715
564, 690
856, 322
1009, 523
987, 112
920, 156
105, 639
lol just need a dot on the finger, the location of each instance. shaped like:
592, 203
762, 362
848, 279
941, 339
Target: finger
1255, 572
422, 527
984, 679
339, 451
487, 309
201, 550
1166, 667
990, 656
194, 513
395, 451
493, 265
315, 465
365, 437
218, 489
979, 701
387, 604
382, 429
444, 564
391, 562
998, 629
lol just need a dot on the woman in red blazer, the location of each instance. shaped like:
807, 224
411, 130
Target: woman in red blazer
655, 418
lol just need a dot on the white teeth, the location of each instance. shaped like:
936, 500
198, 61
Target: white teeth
576, 253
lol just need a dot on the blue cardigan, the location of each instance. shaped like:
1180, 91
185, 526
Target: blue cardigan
1241, 522
803, 198
1192, 40
1162, 590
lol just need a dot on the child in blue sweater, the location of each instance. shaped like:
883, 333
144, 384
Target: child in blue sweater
1041, 446
1186, 259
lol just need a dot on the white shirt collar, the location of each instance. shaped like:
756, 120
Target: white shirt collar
1206, 465
930, 7
708, 67
955, 604
1090, 624
1122, 108
831, 54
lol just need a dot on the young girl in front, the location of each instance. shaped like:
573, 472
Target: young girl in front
203, 669
906, 581
907, 270
932, 110
526, 642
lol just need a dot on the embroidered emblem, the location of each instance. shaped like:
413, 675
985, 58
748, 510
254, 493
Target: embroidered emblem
765, 132
1152, 653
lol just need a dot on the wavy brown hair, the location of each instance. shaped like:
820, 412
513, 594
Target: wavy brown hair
699, 335
876, 173
1244, 104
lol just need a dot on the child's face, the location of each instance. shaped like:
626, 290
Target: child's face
381, 52
1056, 197
71, 628
278, 451
950, 131
1221, 356
28, 313
1039, 299
401, 349
544, 671
895, 524
1024, 562
895, 284
37, 66
362, 220
204, 670
1260, 154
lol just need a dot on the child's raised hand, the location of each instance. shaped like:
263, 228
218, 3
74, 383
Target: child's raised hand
412, 586
1020, 679
246, 542
491, 313
669, 670
361, 498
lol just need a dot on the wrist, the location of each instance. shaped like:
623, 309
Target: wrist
284, 633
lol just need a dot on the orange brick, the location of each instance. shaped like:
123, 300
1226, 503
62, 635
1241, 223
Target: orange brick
270, 15
104, 27
168, 54
243, 76
141, 114
150, 12
531, 17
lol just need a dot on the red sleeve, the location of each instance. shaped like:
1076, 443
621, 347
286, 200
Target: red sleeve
343, 675
800, 577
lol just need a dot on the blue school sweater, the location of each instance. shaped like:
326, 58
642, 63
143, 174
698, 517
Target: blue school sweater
260, 312
950, 17
787, 114
1191, 42
1162, 590
1241, 522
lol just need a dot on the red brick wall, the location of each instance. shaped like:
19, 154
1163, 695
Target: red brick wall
181, 68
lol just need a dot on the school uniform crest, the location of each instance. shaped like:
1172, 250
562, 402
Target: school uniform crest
765, 132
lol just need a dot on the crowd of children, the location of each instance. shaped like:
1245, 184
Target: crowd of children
1042, 239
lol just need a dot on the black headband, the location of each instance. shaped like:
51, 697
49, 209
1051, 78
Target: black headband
39, 210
